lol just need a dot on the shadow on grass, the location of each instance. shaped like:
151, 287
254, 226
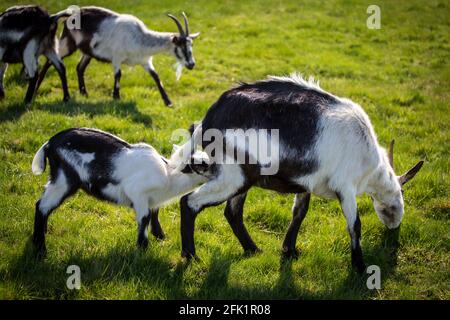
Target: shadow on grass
121, 109
127, 265
384, 255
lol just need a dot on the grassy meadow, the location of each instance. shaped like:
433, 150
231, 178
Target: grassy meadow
399, 74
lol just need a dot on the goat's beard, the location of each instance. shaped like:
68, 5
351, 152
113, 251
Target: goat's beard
178, 69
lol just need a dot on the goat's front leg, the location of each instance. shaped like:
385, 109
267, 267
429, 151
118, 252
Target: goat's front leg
234, 213
151, 70
143, 216
117, 76
155, 226
350, 209
299, 210
3, 67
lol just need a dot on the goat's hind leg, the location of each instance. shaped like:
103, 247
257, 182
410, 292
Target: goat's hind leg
81, 68
234, 214
53, 57
56, 191
229, 182
299, 210
3, 67
155, 226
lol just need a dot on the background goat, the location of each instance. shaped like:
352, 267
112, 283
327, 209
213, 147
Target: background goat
327, 147
26, 32
110, 169
121, 38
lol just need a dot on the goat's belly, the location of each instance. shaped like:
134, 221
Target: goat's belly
115, 194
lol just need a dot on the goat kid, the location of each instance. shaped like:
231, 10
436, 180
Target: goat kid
26, 32
110, 169
124, 39
327, 147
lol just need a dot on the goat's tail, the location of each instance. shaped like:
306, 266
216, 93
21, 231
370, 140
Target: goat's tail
183, 154
39, 160
61, 14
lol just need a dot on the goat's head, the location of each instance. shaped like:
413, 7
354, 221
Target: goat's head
183, 43
388, 203
199, 163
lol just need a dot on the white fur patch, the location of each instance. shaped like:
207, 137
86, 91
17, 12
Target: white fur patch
78, 162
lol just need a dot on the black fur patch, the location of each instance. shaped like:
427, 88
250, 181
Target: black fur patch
271, 104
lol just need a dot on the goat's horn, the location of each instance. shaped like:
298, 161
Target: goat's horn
186, 23
391, 153
180, 28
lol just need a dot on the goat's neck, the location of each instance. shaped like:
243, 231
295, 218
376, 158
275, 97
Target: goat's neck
157, 42
181, 183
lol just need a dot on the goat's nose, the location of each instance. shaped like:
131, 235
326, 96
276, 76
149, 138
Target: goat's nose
190, 66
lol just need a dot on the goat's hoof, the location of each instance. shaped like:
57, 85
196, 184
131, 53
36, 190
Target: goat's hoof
2, 95
40, 250
159, 235
116, 96
359, 267
84, 93
66, 98
252, 251
143, 244
189, 256
168, 103
291, 253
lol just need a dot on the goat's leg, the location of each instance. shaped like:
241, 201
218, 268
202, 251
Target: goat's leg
155, 226
55, 193
299, 210
30, 61
234, 214
67, 46
350, 209
117, 76
81, 68
3, 67
42, 74
143, 216
53, 57
151, 70
226, 184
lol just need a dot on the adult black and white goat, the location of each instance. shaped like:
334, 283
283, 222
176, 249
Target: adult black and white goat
26, 32
111, 169
326, 145
123, 39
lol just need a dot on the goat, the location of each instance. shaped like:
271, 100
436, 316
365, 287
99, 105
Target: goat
121, 38
110, 169
26, 32
327, 147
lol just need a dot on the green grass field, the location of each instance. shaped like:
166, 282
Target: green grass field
400, 75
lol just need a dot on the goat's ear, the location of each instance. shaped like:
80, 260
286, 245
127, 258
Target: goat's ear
194, 35
410, 173
175, 39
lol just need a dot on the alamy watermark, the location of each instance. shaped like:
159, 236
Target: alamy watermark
237, 146
74, 279
374, 19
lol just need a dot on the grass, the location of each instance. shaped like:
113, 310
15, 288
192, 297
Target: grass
399, 74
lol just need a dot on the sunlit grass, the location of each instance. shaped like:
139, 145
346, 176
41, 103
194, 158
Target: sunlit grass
399, 74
